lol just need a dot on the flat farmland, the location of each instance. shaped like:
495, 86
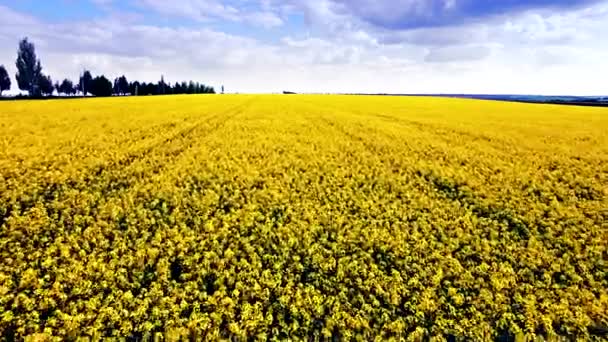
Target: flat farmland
276, 217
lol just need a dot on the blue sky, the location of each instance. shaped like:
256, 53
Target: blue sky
417, 46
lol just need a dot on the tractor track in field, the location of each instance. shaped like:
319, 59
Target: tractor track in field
507, 150
448, 189
519, 227
181, 135
439, 131
114, 177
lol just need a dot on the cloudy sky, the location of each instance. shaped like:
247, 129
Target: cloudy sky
396, 46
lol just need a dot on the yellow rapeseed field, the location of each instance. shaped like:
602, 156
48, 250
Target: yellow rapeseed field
303, 217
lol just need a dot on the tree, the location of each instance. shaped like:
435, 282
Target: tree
191, 88
134, 88
101, 86
85, 82
143, 88
162, 85
115, 88
177, 88
29, 68
148, 89
46, 85
123, 85
66, 87
5, 81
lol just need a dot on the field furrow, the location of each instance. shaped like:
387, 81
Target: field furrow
303, 217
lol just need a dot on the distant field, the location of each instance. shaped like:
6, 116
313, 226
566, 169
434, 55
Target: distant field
277, 217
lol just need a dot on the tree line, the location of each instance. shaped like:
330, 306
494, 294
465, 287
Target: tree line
36, 83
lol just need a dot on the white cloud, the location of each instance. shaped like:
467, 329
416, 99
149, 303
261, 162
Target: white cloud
207, 10
458, 53
409, 14
530, 52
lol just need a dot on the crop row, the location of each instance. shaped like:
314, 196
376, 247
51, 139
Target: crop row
303, 217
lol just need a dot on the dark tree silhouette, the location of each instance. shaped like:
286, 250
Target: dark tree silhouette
123, 85
134, 88
31, 79
148, 89
177, 88
46, 85
101, 86
85, 82
143, 89
66, 87
5, 80
162, 86
191, 88
29, 69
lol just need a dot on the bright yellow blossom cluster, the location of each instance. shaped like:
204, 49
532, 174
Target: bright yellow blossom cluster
303, 217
